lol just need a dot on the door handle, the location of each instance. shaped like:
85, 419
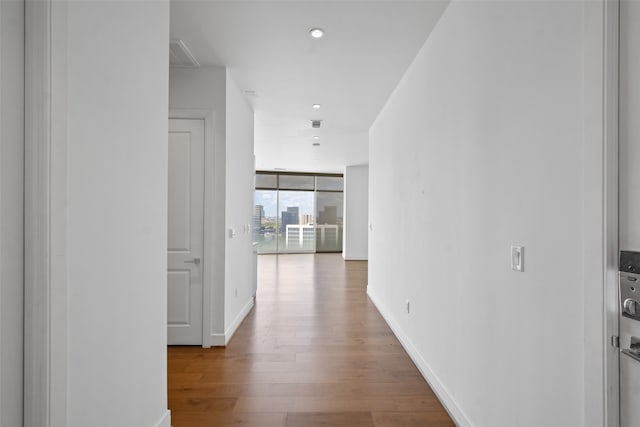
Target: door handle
195, 261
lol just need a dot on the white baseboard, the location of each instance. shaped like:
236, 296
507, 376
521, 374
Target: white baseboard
217, 340
165, 421
221, 340
354, 258
449, 403
228, 334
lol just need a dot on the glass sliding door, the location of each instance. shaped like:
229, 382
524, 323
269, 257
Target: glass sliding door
298, 212
265, 221
329, 214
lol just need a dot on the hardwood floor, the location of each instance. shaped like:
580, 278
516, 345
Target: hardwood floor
313, 352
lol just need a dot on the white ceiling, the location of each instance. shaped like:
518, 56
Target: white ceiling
351, 71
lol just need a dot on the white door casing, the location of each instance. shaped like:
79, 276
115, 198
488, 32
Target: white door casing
186, 232
629, 190
12, 59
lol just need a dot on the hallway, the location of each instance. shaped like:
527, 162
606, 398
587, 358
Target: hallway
313, 352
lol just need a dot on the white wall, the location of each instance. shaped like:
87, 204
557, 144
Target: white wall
479, 148
230, 169
201, 89
356, 212
11, 212
629, 126
240, 279
116, 123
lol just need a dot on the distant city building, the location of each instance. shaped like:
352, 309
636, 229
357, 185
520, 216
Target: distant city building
306, 219
290, 216
258, 217
299, 237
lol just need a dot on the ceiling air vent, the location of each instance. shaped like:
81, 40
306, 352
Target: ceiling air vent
180, 56
316, 123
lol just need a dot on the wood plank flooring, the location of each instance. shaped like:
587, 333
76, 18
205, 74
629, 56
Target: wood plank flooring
313, 352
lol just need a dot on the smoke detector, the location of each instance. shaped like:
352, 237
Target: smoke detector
316, 123
180, 55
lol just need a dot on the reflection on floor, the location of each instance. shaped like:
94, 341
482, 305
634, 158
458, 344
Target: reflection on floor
313, 352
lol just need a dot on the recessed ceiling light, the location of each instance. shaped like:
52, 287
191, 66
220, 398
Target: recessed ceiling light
316, 144
316, 33
316, 137
315, 106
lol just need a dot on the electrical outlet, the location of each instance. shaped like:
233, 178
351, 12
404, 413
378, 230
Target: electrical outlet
408, 306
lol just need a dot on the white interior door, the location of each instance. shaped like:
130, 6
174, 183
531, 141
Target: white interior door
186, 231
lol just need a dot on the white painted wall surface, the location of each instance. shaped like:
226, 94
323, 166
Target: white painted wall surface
240, 279
479, 148
116, 119
11, 211
194, 92
629, 125
356, 212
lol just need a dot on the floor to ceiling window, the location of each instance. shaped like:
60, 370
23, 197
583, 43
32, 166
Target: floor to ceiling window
298, 212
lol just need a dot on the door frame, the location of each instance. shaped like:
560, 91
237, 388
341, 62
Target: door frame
600, 213
45, 328
212, 216
611, 209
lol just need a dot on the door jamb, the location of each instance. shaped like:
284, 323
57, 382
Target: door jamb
45, 347
37, 356
600, 213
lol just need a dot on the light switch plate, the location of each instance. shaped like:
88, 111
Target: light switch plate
517, 258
